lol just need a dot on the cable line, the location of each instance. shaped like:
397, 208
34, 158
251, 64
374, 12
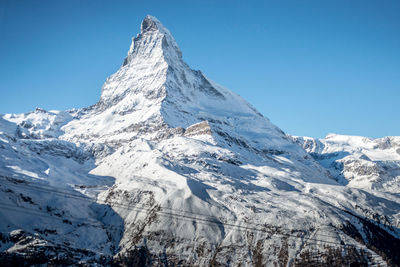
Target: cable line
236, 227
212, 219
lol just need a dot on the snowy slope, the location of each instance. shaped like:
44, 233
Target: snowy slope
171, 167
358, 161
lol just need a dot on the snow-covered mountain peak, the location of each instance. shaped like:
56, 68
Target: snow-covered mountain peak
150, 24
155, 89
144, 71
153, 41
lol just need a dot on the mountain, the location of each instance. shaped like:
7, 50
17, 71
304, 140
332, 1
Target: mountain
170, 168
357, 161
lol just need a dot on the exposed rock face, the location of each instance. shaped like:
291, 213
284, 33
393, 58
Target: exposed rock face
171, 168
198, 129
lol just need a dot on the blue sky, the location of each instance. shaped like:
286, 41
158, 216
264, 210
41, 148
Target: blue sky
311, 67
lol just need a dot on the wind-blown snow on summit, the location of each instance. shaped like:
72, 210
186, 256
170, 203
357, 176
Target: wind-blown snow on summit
170, 167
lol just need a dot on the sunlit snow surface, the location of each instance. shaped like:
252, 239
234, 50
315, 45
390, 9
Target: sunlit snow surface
358, 161
188, 168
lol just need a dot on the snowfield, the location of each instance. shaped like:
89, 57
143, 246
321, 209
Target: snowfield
171, 168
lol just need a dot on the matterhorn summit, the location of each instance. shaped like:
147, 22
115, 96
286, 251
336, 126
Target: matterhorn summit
170, 168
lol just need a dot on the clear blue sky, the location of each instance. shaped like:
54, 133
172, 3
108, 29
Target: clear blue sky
312, 67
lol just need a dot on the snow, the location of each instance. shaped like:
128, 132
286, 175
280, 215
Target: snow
362, 162
17, 169
167, 154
